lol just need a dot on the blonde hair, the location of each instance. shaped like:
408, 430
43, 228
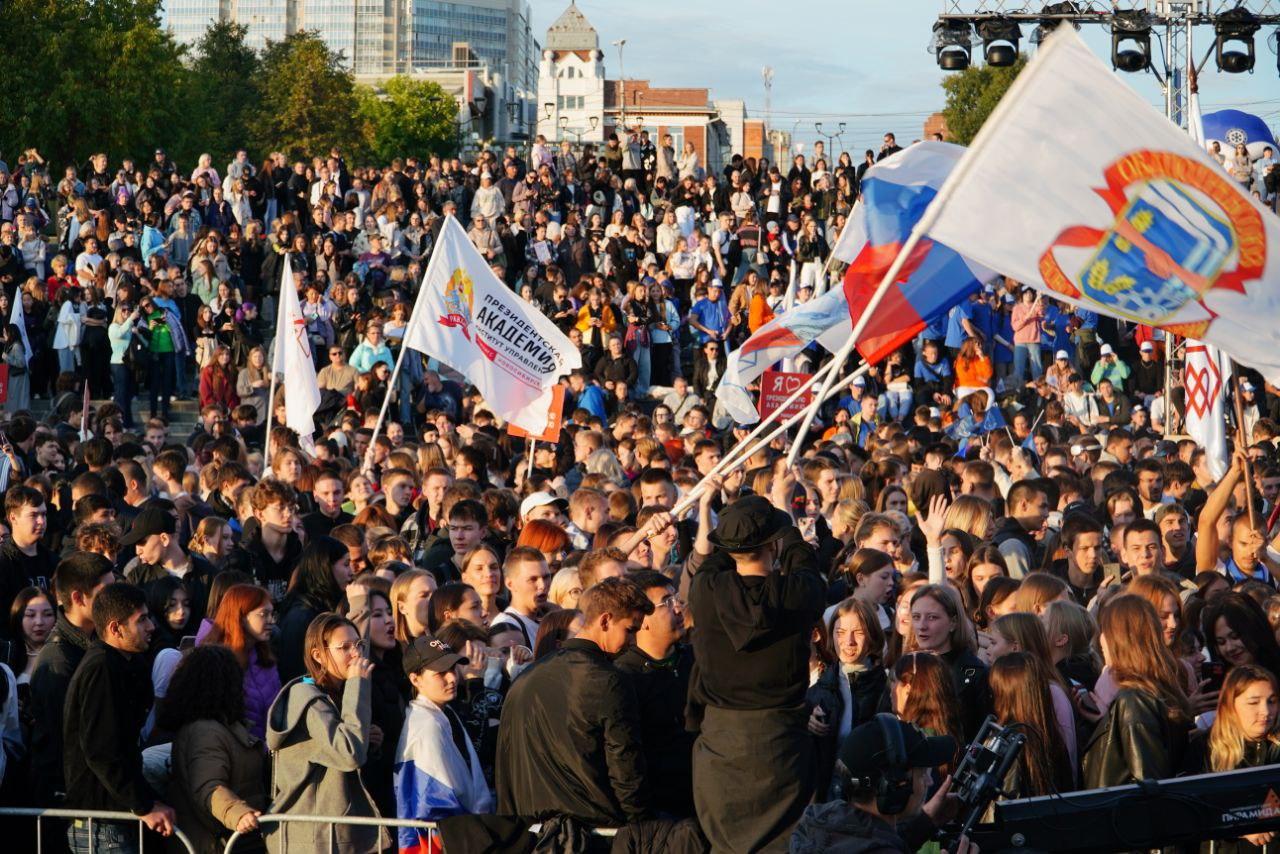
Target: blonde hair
1072, 621
1227, 737
851, 488
565, 579
1037, 590
970, 514
399, 590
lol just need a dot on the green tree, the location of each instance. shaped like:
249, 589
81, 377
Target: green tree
408, 117
307, 101
972, 94
221, 95
86, 76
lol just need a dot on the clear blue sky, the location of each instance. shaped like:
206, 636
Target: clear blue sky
859, 61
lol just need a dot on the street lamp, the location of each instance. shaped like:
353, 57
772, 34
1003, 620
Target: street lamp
564, 123
622, 80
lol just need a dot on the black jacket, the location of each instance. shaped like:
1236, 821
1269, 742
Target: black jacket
197, 580
970, 676
569, 741
751, 648
1135, 741
18, 570
107, 704
55, 666
662, 688
622, 369
252, 557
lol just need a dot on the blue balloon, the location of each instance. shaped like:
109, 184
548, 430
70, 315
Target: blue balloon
1229, 127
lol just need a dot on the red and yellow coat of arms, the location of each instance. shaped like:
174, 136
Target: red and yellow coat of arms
1181, 229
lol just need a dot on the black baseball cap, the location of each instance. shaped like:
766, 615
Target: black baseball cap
429, 653
865, 753
148, 523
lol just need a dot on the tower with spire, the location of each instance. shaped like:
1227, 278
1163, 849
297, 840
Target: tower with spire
571, 80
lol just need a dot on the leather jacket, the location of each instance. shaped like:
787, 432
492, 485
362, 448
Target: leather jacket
1135, 741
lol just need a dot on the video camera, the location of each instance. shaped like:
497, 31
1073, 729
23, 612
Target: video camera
979, 778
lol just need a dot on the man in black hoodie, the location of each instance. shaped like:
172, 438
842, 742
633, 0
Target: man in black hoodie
77, 579
107, 704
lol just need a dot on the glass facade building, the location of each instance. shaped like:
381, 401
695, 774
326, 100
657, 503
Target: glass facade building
382, 37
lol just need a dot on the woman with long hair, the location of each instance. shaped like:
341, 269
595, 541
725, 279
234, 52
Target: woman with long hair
389, 691
217, 384
455, 601
31, 620
973, 515
1236, 632
1071, 632
1245, 734
1022, 632
253, 383
871, 573
556, 628
973, 374
858, 644
922, 692
320, 731
1021, 696
212, 539
218, 766
243, 624
318, 585
411, 594
940, 625
827, 701
1143, 731
482, 571
984, 564
1039, 589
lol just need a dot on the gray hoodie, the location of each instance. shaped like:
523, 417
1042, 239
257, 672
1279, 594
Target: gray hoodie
318, 751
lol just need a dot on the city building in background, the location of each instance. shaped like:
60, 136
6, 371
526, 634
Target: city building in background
577, 101
483, 51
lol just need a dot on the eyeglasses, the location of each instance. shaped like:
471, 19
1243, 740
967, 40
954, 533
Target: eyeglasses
350, 647
672, 601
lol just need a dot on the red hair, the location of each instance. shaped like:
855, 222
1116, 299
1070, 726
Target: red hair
546, 537
228, 623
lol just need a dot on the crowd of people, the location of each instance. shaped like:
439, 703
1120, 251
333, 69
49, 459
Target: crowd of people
447, 624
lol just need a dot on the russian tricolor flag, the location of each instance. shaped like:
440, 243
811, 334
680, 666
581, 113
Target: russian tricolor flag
895, 194
935, 278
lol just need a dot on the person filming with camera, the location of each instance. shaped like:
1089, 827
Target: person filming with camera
888, 768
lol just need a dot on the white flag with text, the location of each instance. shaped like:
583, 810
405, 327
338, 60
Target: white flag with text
470, 320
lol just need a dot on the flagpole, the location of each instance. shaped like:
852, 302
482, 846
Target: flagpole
1243, 443
281, 329
731, 462
773, 416
404, 348
533, 443
922, 226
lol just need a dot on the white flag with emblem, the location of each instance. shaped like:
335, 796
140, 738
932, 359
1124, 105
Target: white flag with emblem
293, 359
1125, 215
1205, 382
468, 319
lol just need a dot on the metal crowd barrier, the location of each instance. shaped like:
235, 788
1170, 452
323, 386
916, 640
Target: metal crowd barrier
335, 821
434, 843
89, 816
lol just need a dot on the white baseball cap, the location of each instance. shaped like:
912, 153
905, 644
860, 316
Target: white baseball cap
1107, 351
1062, 354
541, 499
1147, 347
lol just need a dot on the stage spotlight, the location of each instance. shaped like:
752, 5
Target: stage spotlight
952, 43
1235, 29
1131, 40
1050, 22
1000, 38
